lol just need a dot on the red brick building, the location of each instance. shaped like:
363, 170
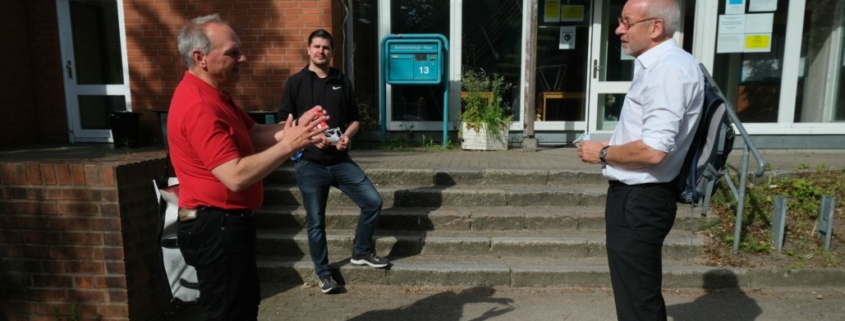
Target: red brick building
87, 36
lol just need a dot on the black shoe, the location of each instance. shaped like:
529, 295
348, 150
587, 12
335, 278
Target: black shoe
328, 284
370, 259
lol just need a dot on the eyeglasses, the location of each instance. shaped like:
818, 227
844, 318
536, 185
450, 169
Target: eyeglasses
624, 22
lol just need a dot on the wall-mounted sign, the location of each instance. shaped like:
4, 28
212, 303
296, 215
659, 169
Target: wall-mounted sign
567, 38
745, 33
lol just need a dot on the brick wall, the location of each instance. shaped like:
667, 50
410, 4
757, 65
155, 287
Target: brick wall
273, 34
80, 232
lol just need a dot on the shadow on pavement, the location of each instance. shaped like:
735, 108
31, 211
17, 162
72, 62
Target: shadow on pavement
723, 300
444, 306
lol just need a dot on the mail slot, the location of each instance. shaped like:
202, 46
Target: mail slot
414, 61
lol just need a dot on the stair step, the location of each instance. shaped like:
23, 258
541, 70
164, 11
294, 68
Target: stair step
451, 177
505, 218
505, 271
457, 195
546, 244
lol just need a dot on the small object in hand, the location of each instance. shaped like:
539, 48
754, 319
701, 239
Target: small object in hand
333, 134
322, 123
581, 138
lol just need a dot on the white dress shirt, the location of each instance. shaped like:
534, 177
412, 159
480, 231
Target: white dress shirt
661, 108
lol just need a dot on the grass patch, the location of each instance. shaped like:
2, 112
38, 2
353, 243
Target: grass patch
802, 248
423, 143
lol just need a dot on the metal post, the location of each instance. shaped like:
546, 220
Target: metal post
778, 222
826, 220
740, 200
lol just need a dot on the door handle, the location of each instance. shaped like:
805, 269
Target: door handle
69, 70
596, 68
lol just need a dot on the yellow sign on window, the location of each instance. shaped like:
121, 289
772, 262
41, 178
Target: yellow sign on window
758, 42
571, 13
552, 13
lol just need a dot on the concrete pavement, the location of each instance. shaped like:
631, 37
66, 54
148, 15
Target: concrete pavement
390, 303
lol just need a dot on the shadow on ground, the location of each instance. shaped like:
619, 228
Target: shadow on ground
443, 306
723, 300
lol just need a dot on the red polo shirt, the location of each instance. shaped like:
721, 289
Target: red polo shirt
204, 130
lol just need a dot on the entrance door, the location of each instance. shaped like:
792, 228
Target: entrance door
611, 70
564, 30
94, 66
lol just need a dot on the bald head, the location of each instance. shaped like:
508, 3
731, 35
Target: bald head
666, 10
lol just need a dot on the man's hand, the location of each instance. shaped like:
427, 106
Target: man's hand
588, 151
304, 131
343, 143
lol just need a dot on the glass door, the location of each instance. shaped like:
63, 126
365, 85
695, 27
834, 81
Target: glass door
94, 65
564, 31
611, 70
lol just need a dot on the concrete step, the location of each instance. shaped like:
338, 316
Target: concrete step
679, 244
521, 272
502, 218
456, 195
286, 175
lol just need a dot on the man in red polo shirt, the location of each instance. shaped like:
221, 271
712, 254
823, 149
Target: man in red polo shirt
220, 156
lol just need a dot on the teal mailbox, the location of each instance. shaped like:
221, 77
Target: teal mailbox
414, 61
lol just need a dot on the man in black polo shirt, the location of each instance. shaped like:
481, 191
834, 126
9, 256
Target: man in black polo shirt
328, 164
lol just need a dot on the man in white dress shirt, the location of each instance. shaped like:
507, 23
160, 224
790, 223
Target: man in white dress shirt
645, 154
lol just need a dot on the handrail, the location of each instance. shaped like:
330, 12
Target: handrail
749, 146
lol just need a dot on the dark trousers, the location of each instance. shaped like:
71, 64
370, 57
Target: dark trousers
221, 246
314, 181
638, 217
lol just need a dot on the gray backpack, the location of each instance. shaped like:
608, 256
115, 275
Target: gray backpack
708, 155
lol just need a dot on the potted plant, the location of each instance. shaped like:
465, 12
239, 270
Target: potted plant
484, 120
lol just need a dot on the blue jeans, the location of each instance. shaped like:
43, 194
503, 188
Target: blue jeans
314, 181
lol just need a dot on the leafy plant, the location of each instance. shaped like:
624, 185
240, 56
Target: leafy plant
480, 112
801, 247
74, 313
126, 144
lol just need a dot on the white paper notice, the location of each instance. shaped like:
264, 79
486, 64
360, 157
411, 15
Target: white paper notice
731, 24
762, 5
730, 43
759, 22
734, 6
567, 38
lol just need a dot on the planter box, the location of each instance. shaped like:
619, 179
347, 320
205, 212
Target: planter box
481, 140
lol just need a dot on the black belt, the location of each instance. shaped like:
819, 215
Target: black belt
241, 212
187, 214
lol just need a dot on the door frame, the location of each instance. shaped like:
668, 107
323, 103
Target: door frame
72, 90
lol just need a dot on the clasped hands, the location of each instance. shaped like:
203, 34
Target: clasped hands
305, 130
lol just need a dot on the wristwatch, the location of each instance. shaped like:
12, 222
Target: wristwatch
602, 154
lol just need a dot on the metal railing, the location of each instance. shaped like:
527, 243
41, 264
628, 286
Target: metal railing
748, 146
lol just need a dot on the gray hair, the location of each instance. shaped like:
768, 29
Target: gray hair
193, 37
669, 11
